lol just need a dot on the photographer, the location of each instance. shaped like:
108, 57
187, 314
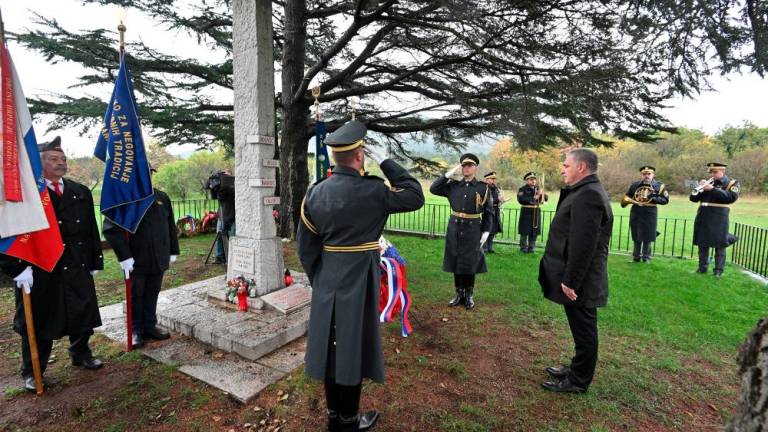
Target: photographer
222, 188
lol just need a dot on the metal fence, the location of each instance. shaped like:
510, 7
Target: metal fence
195, 207
675, 235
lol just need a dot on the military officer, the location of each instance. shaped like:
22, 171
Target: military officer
530, 197
644, 195
343, 217
63, 301
498, 199
710, 229
146, 255
468, 227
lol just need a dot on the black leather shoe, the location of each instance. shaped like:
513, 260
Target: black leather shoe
469, 301
718, 274
563, 386
368, 420
156, 333
333, 421
558, 372
700, 270
137, 341
29, 384
458, 299
91, 363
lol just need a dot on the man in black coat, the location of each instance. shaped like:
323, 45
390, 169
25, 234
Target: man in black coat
468, 227
63, 301
343, 217
530, 197
146, 255
497, 196
644, 195
573, 271
710, 229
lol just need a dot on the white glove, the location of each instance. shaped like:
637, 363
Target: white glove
93, 272
127, 266
453, 172
483, 238
24, 279
378, 155
173, 259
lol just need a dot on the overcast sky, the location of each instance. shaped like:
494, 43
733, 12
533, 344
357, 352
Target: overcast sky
738, 97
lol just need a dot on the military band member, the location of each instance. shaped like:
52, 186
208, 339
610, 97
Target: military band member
64, 301
498, 199
530, 197
343, 217
644, 195
468, 227
710, 229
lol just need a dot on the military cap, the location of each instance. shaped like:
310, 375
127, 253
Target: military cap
529, 175
53, 145
716, 165
468, 158
647, 169
347, 137
490, 175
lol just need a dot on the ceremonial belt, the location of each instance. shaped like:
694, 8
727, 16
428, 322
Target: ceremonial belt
528, 206
363, 247
645, 204
466, 215
711, 204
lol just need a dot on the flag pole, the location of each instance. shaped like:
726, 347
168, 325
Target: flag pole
128, 282
28, 317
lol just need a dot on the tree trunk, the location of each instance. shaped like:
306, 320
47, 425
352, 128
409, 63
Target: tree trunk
293, 151
751, 413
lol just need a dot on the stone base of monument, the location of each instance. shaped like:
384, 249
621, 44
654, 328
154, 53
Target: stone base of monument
251, 344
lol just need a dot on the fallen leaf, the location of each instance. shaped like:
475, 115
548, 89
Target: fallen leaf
216, 418
218, 355
285, 396
442, 385
712, 407
689, 414
445, 319
397, 350
247, 425
257, 408
279, 392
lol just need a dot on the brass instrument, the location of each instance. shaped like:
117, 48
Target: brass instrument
641, 197
700, 188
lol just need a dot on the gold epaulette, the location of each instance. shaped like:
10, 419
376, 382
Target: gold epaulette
310, 226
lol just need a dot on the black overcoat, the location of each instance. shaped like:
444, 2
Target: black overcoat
577, 248
710, 229
643, 219
463, 254
64, 300
529, 222
348, 209
496, 226
155, 240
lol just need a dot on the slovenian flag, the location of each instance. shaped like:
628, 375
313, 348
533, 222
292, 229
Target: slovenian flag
126, 192
28, 226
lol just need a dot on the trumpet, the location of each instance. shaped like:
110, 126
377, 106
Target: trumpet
700, 188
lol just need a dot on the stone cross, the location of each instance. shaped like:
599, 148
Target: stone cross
256, 251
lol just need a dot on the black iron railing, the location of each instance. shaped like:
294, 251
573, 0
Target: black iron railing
194, 207
675, 235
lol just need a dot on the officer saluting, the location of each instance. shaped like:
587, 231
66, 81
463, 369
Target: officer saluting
644, 195
710, 229
343, 217
468, 228
530, 197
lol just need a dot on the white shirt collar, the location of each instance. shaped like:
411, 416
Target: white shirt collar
50, 184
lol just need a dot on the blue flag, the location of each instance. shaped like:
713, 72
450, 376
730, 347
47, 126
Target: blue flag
126, 192
321, 151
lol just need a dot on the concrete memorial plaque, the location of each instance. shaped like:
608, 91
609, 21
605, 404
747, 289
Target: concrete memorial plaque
242, 259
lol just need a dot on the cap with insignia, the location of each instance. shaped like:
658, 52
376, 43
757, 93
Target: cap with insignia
645, 169
716, 165
53, 145
490, 175
347, 137
529, 175
469, 158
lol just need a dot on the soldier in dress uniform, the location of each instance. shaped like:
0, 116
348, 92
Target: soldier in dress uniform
343, 217
498, 199
644, 195
63, 301
530, 197
710, 229
146, 255
468, 227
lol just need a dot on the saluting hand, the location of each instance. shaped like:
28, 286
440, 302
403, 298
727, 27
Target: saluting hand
453, 172
571, 294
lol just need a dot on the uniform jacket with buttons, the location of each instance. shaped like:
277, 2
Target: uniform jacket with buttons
155, 240
643, 219
64, 301
710, 229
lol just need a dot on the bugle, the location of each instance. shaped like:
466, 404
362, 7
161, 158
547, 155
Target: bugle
700, 188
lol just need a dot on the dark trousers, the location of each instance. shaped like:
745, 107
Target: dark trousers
528, 242
463, 280
144, 292
78, 351
227, 229
583, 323
488, 245
645, 247
340, 399
704, 259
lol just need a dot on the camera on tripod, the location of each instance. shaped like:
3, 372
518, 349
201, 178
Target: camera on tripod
221, 186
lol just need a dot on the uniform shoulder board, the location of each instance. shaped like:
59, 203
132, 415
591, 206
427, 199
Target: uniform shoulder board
733, 186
